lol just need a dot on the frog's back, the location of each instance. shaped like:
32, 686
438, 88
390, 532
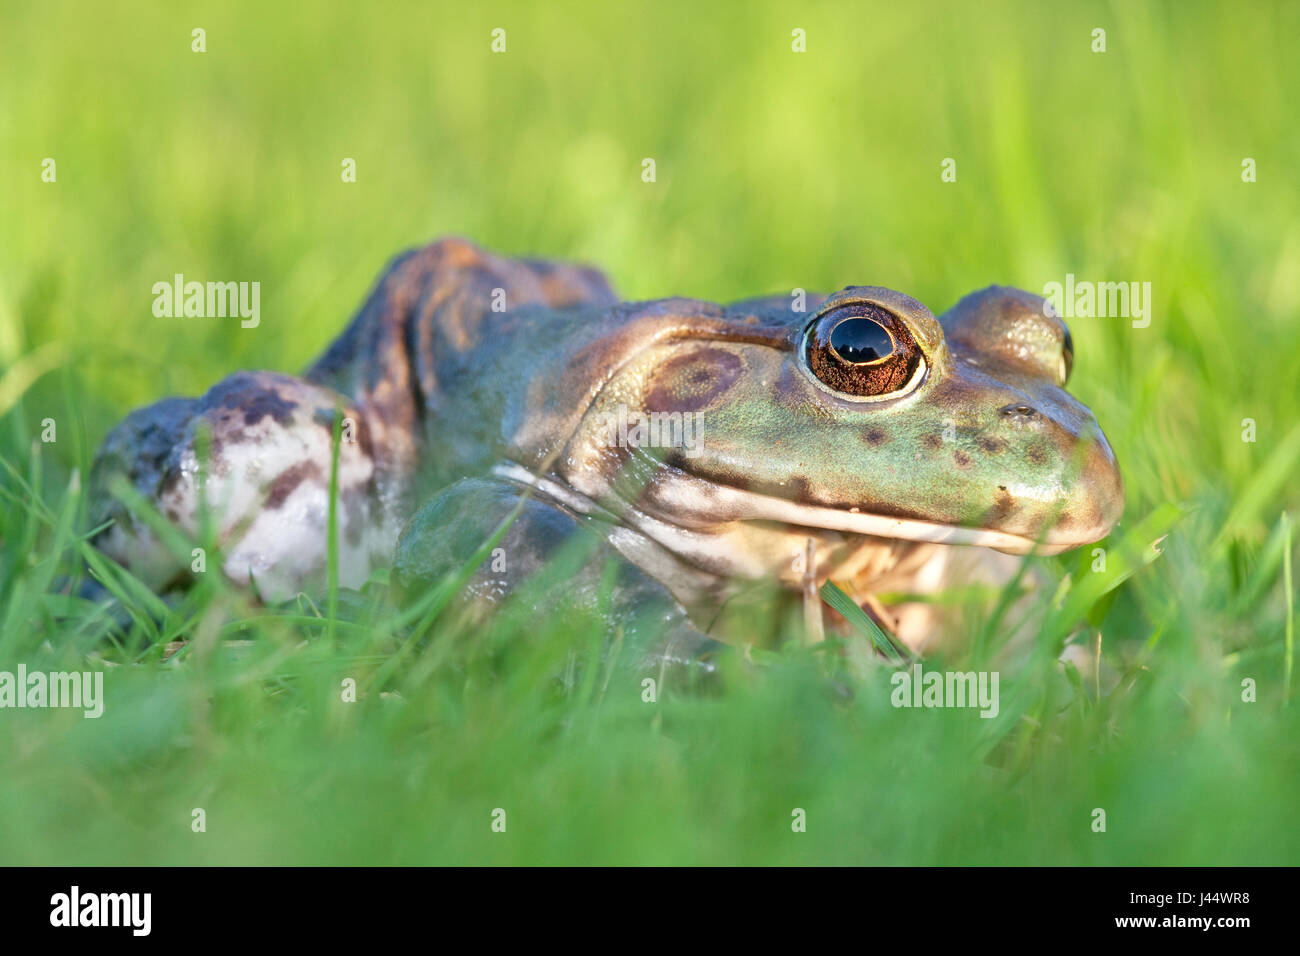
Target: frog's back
446, 336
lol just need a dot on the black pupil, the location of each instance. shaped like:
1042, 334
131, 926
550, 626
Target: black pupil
861, 340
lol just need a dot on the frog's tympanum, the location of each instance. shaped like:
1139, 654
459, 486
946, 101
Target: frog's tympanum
699, 446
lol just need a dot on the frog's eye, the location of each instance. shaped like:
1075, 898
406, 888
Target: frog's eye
862, 350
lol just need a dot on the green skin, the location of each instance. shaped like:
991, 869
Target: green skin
470, 383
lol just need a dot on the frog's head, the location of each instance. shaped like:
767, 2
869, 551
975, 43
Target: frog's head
866, 416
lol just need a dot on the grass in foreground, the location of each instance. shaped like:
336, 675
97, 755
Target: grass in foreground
249, 720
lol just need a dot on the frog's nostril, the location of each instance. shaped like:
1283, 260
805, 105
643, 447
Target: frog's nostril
1017, 411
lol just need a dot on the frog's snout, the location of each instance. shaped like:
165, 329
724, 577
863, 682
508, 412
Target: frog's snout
1081, 491
1094, 500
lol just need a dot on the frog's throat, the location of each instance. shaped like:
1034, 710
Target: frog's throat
760, 507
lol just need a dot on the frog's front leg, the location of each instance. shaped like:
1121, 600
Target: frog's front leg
645, 626
255, 453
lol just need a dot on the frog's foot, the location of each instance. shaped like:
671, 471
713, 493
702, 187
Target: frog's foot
647, 632
264, 481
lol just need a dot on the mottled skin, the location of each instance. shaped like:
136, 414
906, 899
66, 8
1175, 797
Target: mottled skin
456, 408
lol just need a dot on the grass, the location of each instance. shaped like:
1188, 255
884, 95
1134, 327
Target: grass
775, 170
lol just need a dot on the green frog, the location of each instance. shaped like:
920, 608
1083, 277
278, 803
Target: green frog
697, 447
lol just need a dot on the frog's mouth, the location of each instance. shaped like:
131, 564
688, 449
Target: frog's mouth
768, 508
685, 506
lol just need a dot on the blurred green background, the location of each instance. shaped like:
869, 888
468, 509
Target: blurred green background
775, 170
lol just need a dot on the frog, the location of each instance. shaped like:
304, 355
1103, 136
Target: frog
696, 448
